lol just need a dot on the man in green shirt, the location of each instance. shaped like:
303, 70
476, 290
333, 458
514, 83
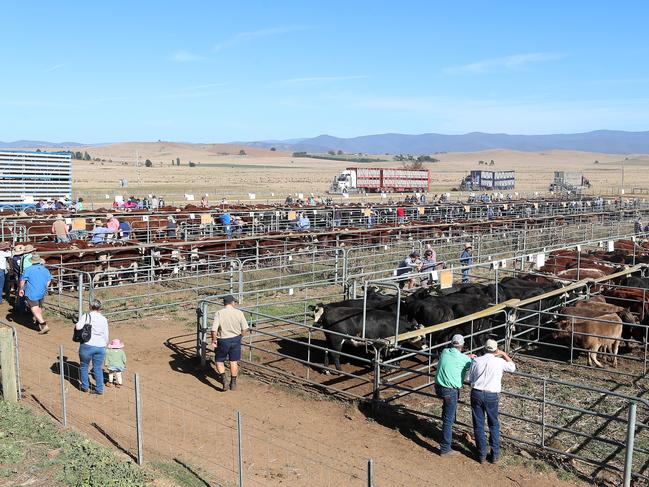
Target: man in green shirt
452, 368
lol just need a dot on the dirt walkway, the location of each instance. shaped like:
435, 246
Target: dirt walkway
289, 437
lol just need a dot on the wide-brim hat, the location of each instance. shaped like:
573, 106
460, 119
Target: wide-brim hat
19, 249
468, 246
109, 216
29, 248
36, 259
98, 221
116, 343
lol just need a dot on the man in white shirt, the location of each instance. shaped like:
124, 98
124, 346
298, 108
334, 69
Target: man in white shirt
486, 375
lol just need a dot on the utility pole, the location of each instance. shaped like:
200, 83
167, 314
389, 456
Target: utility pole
137, 166
622, 189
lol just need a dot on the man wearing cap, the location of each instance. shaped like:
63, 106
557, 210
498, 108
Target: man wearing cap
451, 371
228, 328
406, 266
99, 233
60, 229
33, 286
486, 382
466, 259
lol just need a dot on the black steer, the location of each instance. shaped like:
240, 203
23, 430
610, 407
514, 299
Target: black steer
337, 321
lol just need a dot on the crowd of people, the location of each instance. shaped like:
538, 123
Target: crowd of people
413, 266
147, 203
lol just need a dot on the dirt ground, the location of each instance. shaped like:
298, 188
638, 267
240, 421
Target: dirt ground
290, 437
221, 172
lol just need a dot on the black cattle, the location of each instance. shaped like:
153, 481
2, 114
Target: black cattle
635, 281
638, 259
337, 321
427, 310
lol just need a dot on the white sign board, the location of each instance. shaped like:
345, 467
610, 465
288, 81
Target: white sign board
540, 260
252, 196
610, 245
189, 197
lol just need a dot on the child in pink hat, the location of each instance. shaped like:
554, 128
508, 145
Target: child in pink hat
115, 362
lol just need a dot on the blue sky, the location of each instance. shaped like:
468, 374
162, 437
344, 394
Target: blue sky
251, 70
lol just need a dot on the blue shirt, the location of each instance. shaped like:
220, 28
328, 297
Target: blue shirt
465, 258
125, 228
36, 278
304, 223
226, 219
99, 234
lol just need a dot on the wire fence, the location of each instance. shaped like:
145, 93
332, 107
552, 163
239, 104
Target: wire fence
147, 420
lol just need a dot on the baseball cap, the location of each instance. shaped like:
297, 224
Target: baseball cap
414, 253
229, 299
491, 345
457, 340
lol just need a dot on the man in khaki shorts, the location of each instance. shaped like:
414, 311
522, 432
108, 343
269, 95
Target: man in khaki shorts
229, 327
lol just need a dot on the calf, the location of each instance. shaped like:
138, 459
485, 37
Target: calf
593, 335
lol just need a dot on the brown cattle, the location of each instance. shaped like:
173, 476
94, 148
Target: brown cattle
575, 274
593, 335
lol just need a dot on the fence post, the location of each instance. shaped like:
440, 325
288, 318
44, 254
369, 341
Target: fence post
138, 420
630, 440
8, 364
239, 449
202, 336
64, 404
80, 294
370, 473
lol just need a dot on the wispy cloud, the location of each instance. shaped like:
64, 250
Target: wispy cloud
54, 68
243, 37
506, 63
183, 56
322, 79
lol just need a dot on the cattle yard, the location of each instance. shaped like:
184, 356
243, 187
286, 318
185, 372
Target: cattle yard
567, 409
562, 406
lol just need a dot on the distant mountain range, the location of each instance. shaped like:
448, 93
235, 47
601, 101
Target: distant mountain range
37, 144
609, 141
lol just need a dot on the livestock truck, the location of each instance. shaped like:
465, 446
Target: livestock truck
368, 180
490, 180
572, 182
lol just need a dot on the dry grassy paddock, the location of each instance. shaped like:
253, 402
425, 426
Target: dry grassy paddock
220, 170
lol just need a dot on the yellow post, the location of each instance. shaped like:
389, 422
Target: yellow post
8, 365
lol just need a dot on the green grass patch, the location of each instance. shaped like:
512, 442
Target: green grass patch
34, 445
